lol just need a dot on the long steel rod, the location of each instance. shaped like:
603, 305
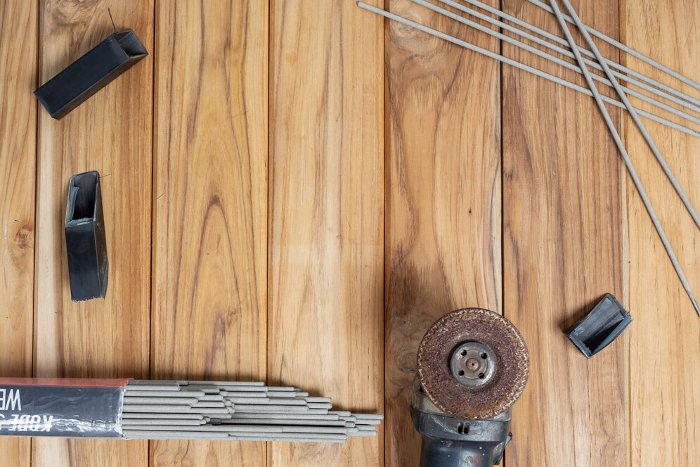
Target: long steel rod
186, 435
236, 411
162, 416
583, 50
624, 48
160, 422
633, 113
611, 81
550, 57
657, 88
226, 383
274, 421
518, 65
621, 147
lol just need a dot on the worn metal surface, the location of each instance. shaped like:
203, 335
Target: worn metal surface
498, 335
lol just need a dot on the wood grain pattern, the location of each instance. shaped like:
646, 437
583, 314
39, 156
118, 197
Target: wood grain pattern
443, 198
210, 239
563, 250
18, 74
405, 177
110, 133
665, 342
326, 216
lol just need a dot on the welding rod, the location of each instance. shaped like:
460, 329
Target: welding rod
621, 147
583, 50
138, 409
548, 56
592, 91
235, 411
519, 65
624, 48
633, 113
611, 81
189, 435
656, 88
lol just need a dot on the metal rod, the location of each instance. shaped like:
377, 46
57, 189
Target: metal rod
140, 386
235, 411
583, 50
222, 383
291, 421
368, 416
318, 438
549, 57
128, 399
160, 421
621, 146
188, 416
144, 434
656, 88
624, 48
635, 117
317, 399
233, 389
519, 65
326, 416
255, 394
610, 82
114, 27
137, 393
259, 429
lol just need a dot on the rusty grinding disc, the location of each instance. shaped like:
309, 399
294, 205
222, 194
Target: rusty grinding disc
473, 364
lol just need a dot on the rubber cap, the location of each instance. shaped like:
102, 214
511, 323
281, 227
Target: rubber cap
600, 326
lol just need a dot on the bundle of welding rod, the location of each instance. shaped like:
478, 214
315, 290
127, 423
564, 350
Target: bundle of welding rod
673, 107
242, 411
133, 409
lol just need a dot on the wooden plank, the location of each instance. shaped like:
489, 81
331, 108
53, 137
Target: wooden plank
18, 75
110, 133
326, 176
664, 345
210, 231
563, 249
443, 197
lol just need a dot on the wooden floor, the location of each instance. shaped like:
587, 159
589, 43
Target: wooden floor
294, 191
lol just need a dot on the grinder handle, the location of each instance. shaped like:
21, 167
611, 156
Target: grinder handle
450, 453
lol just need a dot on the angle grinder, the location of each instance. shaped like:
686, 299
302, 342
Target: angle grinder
472, 367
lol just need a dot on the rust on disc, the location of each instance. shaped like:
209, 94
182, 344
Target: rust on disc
490, 329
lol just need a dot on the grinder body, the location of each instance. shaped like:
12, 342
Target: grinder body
455, 442
472, 366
